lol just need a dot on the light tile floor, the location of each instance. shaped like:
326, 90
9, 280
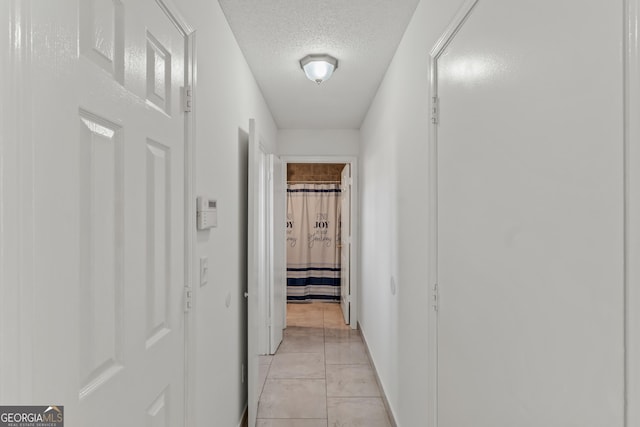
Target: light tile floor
320, 376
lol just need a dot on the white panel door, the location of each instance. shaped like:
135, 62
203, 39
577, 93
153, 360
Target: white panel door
278, 273
131, 158
345, 242
530, 209
253, 272
108, 139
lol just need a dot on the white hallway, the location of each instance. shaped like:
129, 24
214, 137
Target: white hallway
518, 197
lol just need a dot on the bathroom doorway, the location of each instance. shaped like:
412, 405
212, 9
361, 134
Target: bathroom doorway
319, 236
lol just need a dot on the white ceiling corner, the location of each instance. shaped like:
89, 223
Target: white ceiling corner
275, 34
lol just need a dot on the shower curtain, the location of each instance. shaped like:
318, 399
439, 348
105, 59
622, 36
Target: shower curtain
313, 253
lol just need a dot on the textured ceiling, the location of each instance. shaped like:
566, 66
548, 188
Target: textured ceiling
275, 34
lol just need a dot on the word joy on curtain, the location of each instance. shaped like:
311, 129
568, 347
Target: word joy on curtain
313, 237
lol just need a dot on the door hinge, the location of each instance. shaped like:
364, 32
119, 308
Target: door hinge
436, 302
187, 98
435, 110
188, 299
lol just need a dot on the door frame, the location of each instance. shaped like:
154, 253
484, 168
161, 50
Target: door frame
346, 255
190, 233
355, 223
436, 52
275, 248
631, 90
258, 259
265, 257
17, 169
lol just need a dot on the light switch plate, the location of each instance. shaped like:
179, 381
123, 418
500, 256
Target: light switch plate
204, 270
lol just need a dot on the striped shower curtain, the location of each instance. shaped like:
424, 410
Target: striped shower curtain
313, 253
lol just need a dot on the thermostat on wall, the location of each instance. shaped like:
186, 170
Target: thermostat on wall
207, 213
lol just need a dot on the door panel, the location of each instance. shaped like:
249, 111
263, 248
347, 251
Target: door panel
345, 242
529, 198
109, 228
101, 252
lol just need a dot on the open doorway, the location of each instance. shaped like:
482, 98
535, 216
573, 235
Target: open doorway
318, 346
313, 232
319, 251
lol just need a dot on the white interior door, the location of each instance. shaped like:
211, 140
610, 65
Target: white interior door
253, 267
530, 209
106, 258
345, 243
278, 261
132, 225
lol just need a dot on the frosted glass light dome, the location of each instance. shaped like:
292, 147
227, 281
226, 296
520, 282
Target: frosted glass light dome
318, 68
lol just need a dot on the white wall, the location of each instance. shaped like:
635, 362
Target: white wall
393, 156
226, 97
318, 142
395, 206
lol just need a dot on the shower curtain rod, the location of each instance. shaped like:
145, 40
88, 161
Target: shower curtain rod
314, 182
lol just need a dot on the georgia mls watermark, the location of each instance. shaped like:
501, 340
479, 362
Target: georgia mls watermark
32, 416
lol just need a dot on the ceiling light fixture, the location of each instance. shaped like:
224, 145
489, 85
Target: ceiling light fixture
318, 68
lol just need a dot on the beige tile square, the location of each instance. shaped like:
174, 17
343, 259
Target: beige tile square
345, 352
333, 310
265, 359
304, 308
293, 398
297, 365
312, 319
302, 330
335, 322
351, 381
339, 335
292, 423
298, 343
332, 307
357, 412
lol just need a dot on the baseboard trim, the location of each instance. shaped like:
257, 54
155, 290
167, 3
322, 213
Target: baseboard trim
392, 417
244, 421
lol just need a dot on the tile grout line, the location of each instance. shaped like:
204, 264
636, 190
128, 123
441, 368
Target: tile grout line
329, 322
266, 378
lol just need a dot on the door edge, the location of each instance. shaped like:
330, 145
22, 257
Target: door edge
436, 52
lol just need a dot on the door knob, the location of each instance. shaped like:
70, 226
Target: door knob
246, 294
